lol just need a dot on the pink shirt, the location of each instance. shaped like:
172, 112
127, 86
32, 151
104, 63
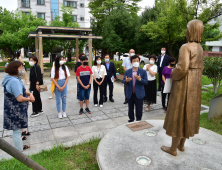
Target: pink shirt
134, 80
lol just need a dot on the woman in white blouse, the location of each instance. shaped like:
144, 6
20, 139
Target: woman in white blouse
99, 72
150, 88
60, 76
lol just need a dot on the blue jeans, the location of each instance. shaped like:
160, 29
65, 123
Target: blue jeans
61, 95
17, 139
84, 94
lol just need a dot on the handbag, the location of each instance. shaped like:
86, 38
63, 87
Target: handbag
53, 86
42, 87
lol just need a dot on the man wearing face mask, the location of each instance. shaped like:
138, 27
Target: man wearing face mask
109, 78
127, 65
135, 78
161, 63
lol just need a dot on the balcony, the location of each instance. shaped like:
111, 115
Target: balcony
25, 5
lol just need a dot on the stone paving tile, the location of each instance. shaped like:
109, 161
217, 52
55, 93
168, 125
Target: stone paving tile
95, 114
57, 120
41, 137
123, 109
111, 111
95, 109
86, 128
37, 123
81, 121
113, 115
0, 134
7, 133
106, 131
108, 107
92, 135
61, 124
77, 116
101, 117
52, 116
106, 124
39, 128
120, 106
121, 120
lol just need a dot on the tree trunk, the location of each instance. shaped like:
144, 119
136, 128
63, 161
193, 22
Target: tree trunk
170, 49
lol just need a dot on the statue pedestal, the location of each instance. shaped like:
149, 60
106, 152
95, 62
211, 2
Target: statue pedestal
122, 148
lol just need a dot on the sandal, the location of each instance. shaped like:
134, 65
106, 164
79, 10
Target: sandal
25, 147
26, 133
147, 109
24, 138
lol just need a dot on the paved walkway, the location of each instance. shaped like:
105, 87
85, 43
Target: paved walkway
48, 130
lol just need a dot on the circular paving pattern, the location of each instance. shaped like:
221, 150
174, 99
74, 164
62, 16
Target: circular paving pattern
123, 149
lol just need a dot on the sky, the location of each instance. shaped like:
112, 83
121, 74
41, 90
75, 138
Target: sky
12, 4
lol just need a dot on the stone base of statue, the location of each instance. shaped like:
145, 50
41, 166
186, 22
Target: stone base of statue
125, 149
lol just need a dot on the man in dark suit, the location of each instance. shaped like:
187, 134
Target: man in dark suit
135, 78
109, 78
161, 63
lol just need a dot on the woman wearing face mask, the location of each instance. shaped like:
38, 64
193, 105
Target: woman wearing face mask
166, 74
19, 57
99, 73
61, 74
16, 102
150, 88
35, 79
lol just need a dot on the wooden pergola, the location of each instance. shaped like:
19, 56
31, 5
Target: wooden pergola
65, 33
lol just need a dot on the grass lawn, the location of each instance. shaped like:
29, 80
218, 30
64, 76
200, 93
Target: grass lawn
82, 156
214, 124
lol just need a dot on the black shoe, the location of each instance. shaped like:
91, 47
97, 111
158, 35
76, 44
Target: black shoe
125, 102
104, 100
88, 111
81, 111
111, 100
41, 111
34, 114
138, 120
130, 121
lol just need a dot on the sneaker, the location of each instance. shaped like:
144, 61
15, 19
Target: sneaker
51, 97
34, 114
101, 105
88, 111
60, 115
81, 111
41, 111
95, 105
64, 114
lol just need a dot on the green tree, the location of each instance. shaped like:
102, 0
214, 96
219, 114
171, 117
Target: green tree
119, 31
15, 27
173, 16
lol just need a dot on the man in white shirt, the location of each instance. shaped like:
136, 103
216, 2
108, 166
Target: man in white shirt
161, 63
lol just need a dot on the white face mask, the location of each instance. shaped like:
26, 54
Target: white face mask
21, 72
132, 54
31, 63
98, 61
162, 52
62, 62
136, 64
151, 62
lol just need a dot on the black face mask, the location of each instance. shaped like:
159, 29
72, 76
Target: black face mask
85, 63
172, 65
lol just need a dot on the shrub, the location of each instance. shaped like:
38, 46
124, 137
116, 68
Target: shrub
213, 70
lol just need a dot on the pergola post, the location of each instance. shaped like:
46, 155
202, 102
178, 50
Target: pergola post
90, 51
37, 47
77, 49
40, 53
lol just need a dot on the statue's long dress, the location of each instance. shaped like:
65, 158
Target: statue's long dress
183, 112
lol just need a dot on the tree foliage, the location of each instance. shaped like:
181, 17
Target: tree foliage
15, 27
213, 70
173, 16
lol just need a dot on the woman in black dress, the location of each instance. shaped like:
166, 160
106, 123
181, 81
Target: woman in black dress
35, 79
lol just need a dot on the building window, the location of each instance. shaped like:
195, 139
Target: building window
25, 4
74, 18
82, 5
27, 13
70, 4
81, 18
215, 19
41, 15
41, 2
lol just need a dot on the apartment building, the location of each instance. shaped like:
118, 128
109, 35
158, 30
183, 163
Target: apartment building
49, 9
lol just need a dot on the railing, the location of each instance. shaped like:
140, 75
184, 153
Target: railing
25, 5
11, 150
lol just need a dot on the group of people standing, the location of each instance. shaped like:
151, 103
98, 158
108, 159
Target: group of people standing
140, 84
